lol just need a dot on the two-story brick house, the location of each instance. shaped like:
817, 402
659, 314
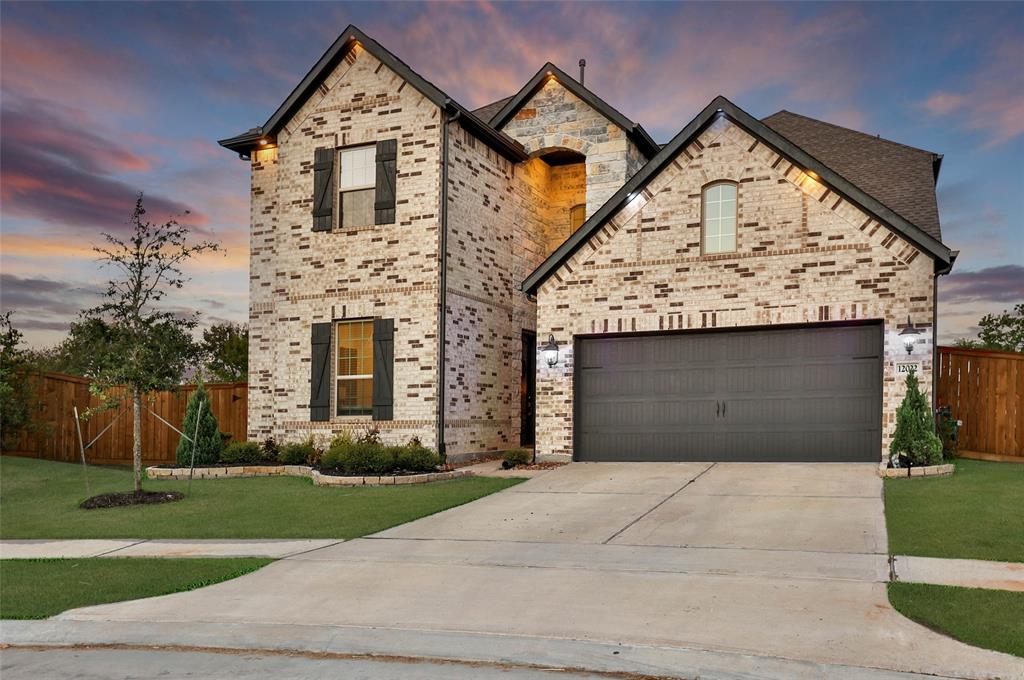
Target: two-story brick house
736, 294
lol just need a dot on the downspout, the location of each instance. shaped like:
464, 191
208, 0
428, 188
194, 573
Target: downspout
935, 322
443, 282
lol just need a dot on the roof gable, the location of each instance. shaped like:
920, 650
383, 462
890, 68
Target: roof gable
899, 176
345, 42
511, 106
721, 106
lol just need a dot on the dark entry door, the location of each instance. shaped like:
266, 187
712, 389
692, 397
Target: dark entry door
528, 389
793, 394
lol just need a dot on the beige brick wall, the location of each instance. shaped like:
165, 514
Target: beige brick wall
555, 118
803, 256
497, 226
299, 277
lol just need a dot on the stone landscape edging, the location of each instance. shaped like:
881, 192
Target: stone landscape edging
319, 479
922, 471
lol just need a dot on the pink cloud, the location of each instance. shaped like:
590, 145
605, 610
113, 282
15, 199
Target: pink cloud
992, 100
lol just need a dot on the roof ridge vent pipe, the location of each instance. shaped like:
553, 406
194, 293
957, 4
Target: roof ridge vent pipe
583, 67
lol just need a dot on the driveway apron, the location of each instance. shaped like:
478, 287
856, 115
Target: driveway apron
777, 560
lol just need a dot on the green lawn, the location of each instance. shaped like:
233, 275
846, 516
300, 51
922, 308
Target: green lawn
36, 589
39, 499
993, 619
975, 513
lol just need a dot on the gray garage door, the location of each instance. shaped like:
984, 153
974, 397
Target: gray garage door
804, 394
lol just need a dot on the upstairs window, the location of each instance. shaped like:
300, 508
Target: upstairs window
356, 181
719, 216
577, 216
354, 368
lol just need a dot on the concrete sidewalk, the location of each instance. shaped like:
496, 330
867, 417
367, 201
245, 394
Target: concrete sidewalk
964, 573
275, 548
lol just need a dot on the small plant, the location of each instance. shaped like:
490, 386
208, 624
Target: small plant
208, 441
515, 457
948, 428
241, 453
915, 438
414, 457
370, 436
270, 449
297, 453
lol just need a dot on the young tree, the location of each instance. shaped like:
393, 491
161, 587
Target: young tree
226, 348
915, 436
127, 340
208, 443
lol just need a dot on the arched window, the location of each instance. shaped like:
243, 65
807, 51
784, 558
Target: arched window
577, 216
719, 216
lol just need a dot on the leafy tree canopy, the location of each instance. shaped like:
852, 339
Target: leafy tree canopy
1003, 332
226, 350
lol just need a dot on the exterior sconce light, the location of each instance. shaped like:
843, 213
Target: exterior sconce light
263, 141
551, 351
909, 335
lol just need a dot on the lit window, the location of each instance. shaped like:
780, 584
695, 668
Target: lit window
577, 216
356, 182
354, 371
720, 218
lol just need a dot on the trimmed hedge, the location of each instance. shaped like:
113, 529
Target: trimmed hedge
298, 453
241, 453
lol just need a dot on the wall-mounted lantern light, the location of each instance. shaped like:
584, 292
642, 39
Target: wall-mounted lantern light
909, 335
551, 351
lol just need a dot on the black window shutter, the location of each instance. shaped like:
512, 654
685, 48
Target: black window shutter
320, 373
323, 170
383, 368
387, 172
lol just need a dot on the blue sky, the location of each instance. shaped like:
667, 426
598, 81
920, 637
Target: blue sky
102, 100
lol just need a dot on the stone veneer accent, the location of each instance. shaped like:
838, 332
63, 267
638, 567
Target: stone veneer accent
555, 118
804, 256
319, 479
922, 471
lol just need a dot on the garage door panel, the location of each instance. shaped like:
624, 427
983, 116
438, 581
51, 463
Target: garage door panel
787, 395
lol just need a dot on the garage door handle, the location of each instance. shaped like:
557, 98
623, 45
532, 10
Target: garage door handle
718, 408
723, 409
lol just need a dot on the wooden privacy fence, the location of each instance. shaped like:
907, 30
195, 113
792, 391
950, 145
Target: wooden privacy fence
53, 435
985, 390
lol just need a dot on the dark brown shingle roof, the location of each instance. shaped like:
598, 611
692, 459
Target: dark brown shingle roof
485, 113
900, 177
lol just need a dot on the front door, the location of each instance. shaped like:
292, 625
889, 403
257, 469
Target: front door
527, 389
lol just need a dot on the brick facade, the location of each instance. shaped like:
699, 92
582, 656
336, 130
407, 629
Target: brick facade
803, 256
299, 277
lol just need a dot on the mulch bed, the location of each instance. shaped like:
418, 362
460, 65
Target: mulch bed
334, 472
539, 465
117, 500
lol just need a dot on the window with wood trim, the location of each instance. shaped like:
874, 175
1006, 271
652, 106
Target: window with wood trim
577, 216
356, 186
354, 367
718, 210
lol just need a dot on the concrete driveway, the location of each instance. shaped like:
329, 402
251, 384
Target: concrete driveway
739, 563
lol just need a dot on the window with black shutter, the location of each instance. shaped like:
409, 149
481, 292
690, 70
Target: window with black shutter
323, 196
387, 173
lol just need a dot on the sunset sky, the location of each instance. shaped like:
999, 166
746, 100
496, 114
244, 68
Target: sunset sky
103, 100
